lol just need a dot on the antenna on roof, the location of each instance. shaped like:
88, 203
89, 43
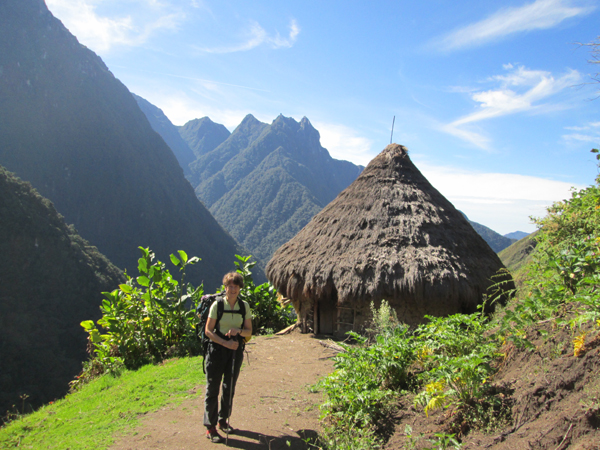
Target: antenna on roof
392, 136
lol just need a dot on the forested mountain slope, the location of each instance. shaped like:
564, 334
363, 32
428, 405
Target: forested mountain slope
265, 182
76, 133
495, 240
50, 280
163, 126
203, 135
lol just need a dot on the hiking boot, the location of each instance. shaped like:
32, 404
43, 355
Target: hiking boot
214, 436
225, 428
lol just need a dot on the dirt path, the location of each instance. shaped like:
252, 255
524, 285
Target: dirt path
273, 408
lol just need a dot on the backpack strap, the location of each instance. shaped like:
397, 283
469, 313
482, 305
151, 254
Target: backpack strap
221, 309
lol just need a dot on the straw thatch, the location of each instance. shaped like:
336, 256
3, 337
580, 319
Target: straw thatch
390, 235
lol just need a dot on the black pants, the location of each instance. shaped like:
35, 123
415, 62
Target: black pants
219, 366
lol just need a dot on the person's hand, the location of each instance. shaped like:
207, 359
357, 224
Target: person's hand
233, 332
232, 344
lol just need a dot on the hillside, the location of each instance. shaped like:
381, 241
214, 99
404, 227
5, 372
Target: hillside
76, 133
50, 280
495, 240
265, 182
203, 135
163, 126
518, 254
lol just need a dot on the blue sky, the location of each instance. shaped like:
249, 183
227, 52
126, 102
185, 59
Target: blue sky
494, 100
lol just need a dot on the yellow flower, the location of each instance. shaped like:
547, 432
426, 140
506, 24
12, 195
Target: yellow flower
579, 345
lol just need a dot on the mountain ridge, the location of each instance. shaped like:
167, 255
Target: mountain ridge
78, 135
265, 182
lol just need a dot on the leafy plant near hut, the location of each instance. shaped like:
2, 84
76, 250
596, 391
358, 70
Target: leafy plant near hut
153, 316
268, 314
145, 320
446, 362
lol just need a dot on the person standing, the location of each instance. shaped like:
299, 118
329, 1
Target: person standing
225, 354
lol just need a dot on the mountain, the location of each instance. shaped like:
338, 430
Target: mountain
517, 235
50, 280
496, 241
76, 133
169, 132
265, 182
518, 255
203, 135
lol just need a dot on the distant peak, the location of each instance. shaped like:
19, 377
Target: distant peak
250, 119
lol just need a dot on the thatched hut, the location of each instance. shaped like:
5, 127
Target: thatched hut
390, 235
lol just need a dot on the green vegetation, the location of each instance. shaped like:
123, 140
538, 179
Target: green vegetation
93, 416
448, 363
517, 256
153, 316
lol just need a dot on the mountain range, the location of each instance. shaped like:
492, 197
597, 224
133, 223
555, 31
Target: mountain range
69, 127
265, 182
264, 196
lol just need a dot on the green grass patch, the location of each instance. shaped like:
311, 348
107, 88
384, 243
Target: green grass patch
106, 408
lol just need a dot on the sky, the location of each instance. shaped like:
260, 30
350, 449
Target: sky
494, 100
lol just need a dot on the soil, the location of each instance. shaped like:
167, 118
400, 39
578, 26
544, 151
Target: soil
552, 396
273, 406
551, 399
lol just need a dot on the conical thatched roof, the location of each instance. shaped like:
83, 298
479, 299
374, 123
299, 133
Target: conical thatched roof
390, 235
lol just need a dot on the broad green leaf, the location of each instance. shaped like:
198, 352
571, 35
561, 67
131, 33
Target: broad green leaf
88, 325
142, 265
126, 288
175, 260
143, 281
183, 255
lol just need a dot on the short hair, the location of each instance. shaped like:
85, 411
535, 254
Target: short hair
233, 277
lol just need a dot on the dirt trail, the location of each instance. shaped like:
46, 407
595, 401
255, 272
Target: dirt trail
273, 408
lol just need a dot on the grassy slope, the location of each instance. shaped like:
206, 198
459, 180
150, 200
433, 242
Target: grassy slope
92, 417
517, 256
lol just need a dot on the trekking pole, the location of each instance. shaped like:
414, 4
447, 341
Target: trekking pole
231, 392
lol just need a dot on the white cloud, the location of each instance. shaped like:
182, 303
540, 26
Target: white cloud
101, 34
344, 143
501, 201
586, 133
539, 15
180, 109
519, 90
257, 36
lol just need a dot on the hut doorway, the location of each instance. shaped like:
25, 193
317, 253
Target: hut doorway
325, 315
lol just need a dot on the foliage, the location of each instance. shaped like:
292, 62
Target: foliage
145, 320
384, 320
268, 314
565, 270
92, 416
153, 316
447, 361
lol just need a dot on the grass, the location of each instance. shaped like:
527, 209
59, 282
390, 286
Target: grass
104, 409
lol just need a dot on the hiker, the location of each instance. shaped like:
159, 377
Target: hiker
224, 355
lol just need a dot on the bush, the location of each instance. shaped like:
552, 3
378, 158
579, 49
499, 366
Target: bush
268, 314
153, 316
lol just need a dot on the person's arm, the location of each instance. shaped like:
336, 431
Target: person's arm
245, 331
209, 330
